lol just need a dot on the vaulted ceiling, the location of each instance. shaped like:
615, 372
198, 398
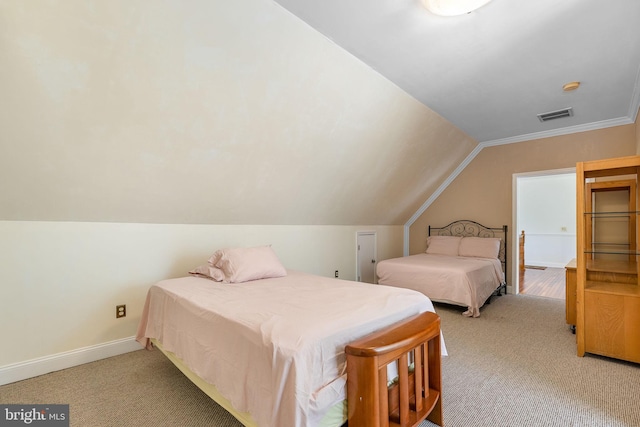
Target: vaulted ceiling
492, 71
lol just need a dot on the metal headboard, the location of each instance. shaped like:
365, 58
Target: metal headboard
469, 228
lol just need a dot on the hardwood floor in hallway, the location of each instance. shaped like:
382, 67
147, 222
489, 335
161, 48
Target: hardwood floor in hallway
548, 282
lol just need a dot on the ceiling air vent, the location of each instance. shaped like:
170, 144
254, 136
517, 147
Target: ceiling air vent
558, 114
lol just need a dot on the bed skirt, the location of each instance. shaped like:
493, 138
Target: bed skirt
335, 417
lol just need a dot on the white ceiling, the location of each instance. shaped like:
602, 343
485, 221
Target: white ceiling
492, 71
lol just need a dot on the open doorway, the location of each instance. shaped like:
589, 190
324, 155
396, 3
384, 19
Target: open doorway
545, 220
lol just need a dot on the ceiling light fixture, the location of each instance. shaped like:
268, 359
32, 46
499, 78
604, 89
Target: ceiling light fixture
571, 86
453, 7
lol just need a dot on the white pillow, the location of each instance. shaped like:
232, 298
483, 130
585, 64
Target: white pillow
443, 245
245, 264
479, 247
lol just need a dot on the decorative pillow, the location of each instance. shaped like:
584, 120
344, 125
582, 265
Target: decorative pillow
209, 272
245, 264
443, 245
479, 247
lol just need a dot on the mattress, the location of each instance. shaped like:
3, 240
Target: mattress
465, 281
274, 348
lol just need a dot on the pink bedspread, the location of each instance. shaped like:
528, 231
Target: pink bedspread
465, 281
273, 347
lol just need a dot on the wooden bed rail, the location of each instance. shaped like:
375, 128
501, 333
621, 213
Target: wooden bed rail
415, 395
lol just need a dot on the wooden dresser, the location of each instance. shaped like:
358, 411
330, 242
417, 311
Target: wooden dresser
570, 297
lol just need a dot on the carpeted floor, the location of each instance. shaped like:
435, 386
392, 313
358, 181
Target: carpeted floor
513, 366
516, 365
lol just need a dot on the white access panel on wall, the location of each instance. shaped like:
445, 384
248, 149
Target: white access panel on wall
366, 256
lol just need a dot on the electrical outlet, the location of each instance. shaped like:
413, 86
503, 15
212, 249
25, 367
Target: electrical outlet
336, 273
121, 311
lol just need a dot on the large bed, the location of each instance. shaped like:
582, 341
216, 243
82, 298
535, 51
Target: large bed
271, 349
464, 264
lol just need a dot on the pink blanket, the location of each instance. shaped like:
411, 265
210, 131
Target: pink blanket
273, 347
465, 281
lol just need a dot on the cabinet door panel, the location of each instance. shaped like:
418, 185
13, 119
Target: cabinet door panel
604, 324
632, 328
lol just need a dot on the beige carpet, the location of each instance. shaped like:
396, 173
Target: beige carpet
513, 366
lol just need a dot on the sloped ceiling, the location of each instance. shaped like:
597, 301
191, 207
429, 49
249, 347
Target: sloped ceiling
491, 72
202, 111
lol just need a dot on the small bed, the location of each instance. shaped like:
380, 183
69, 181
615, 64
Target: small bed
269, 346
465, 264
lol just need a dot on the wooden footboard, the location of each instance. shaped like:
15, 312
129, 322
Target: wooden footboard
415, 395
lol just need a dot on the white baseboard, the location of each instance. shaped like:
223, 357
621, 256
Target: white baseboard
44, 365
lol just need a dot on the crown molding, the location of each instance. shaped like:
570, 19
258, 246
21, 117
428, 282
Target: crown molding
515, 139
559, 132
437, 193
635, 99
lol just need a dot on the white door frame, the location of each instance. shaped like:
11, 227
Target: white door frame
515, 234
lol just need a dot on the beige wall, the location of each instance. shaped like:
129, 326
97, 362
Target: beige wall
483, 190
204, 112
130, 113
61, 281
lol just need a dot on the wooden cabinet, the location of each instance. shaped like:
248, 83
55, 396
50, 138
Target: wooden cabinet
607, 291
612, 322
